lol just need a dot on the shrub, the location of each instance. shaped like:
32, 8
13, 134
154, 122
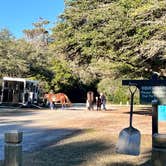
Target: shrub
115, 92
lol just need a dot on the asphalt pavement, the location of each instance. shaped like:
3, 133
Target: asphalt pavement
39, 126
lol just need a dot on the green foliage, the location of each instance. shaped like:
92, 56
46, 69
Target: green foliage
95, 41
62, 75
115, 92
19, 58
87, 34
12, 60
39, 29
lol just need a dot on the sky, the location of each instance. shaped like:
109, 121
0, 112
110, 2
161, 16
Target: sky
17, 15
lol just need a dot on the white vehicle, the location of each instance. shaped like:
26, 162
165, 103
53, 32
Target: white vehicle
19, 91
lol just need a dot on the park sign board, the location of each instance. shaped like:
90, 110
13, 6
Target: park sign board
146, 94
149, 93
149, 90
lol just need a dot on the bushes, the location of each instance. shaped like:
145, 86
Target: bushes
115, 92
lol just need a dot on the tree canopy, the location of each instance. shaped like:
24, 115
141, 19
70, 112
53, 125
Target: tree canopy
93, 43
113, 38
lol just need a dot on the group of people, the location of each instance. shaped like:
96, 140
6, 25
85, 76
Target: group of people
100, 101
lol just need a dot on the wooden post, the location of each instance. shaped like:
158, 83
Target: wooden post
158, 140
154, 116
158, 157
159, 150
13, 148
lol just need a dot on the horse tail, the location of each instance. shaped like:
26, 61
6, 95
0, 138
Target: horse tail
68, 100
90, 96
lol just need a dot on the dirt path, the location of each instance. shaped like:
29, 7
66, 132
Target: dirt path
43, 127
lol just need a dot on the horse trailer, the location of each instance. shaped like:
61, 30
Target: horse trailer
19, 91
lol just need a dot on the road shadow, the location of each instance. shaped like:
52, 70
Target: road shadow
16, 112
38, 139
141, 111
71, 154
34, 138
78, 153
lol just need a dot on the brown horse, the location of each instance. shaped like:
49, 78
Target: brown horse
58, 98
90, 100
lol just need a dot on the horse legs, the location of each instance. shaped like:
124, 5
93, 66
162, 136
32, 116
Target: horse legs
51, 105
63, 102
90, 106
63, 105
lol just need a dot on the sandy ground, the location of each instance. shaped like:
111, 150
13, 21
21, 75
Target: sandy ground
43, 126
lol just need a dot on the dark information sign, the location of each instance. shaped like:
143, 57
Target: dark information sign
149, 90
146, 94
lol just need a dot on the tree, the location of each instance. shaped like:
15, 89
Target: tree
63, 77
19, 58
11, 61
119, 40
38, 35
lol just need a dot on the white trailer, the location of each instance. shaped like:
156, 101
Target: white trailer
19, 91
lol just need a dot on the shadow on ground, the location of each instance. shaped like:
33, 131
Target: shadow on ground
142, 111
89, 152
16, 112
71, 154
79, 153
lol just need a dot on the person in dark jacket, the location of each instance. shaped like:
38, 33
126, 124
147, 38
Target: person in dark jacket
103, 101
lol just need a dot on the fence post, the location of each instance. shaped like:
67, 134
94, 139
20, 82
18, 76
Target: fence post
158, 140
13, 148
154, 116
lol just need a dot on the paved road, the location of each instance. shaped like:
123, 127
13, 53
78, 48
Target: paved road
44, 127
40, 127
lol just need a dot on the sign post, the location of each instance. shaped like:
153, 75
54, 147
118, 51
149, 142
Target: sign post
153, 92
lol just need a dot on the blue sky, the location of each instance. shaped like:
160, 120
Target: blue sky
17, 15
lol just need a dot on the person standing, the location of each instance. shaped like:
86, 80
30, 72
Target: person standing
103, 101
98, 103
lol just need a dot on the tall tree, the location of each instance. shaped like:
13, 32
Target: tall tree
11, 61
112, 38
39, 34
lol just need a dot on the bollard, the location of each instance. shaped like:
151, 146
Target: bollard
158, 149
158, 157
154, 117
158, 140
13, 148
